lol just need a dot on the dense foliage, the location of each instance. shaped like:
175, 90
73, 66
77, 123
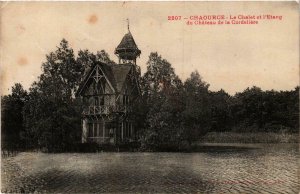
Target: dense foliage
51, 114
12, 130
162, 94
171, 114
177, 114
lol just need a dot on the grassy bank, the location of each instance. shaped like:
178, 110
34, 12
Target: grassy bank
255, 137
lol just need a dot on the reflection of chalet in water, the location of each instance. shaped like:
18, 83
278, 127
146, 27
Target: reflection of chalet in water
109, 92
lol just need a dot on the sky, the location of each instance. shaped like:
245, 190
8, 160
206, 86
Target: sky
229, 57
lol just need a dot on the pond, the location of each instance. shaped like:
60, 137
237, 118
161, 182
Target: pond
215, 168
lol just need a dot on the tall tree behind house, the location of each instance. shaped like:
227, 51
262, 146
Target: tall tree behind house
162, 92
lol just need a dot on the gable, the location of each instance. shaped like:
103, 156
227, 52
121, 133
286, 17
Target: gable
95, 75
115, 75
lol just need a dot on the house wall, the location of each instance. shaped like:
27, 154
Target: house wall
109, 100
104, 131
84, 130
100, 128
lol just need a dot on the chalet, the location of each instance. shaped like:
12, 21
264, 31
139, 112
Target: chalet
109, 93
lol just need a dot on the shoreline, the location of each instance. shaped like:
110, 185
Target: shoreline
250, 137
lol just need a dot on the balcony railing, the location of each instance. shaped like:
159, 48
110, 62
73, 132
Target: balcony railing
108, 109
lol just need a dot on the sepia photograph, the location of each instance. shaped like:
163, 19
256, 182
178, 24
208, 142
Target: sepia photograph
149, 97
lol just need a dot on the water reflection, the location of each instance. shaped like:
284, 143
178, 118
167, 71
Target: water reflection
217, 168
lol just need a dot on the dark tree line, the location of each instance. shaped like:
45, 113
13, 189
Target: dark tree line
12, 129
171, 113
178, 113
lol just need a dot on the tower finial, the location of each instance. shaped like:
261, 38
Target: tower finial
128, 25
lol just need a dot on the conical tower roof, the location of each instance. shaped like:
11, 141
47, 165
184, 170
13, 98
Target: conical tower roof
127, 42
127, 49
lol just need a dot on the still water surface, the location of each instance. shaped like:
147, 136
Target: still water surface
256, 168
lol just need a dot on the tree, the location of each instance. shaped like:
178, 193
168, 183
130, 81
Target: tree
257, 110
61, 73
11, 118
247, 109
197, 113
162, 92
52, 115
87, 59
160, 77
220, 107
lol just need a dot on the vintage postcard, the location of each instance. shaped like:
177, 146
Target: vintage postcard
149, 97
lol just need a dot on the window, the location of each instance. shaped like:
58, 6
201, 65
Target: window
90, 129
124, 130
125, 99
100, 129
96, 101
94, 129
94, 87
101, 87
120, 130
127, 129
91, 101
132, 131
109, 127
101, 100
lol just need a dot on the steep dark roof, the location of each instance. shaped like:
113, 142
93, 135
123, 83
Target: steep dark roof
115, 73
127, 42
120, 73
127, 49
109, 74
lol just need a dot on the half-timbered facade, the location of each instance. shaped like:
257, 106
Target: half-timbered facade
109, 93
